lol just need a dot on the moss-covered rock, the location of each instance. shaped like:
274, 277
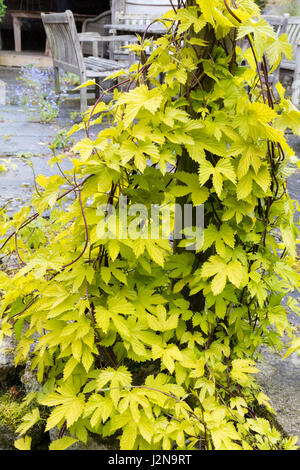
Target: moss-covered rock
11, 414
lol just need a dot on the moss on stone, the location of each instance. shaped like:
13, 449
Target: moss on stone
11, 411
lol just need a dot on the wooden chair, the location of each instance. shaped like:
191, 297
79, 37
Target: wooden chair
135, 16
96, 25
64, 42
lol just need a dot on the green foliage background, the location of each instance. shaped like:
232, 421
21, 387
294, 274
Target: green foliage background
140, 339
2, 9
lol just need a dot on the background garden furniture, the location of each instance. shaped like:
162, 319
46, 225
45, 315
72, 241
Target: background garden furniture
96, 25
19, 15
135, 16
291, 26
64, 42
280, 24
293, 32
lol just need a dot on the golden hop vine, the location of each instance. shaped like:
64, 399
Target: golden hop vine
152, 340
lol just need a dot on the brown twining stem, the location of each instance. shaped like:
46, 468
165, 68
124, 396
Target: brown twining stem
265, 72
269, 203
101, 253
97, 335
201, 88
283, 253
24, 309
271, 148
257, 68
127, 80
231, 12
271, 151
215, 212
86, 233
62, 173
172, 5
149, 26
251, 46
98, 101
17, 250
281, 151
37, 214
28, 221
62, 430
99, 257
169, 395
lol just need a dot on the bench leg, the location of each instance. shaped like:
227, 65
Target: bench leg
296, 92
83, 92
83, 100
56, 80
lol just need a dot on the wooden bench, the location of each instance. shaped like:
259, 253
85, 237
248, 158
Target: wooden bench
64, 42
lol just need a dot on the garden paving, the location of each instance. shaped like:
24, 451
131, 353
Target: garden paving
18, 135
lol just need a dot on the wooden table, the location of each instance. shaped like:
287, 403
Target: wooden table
18, 15
95, 38
137, 28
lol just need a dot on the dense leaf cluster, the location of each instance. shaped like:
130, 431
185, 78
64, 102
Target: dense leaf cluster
2, 9
140, 338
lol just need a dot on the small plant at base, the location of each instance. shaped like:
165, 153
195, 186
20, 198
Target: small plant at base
141, 338
2, 9
75, 116
11, 412
61, 140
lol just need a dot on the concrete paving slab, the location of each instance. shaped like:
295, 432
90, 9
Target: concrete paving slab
9, 127
13, 144
17, 184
